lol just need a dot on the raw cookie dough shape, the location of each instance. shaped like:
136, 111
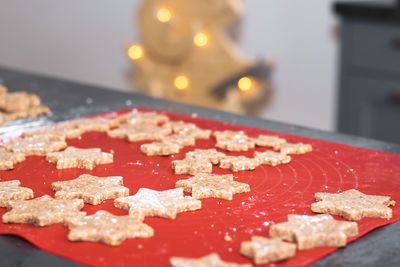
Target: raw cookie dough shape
353, 205
211, 185
165, 204
91, 189
107, 228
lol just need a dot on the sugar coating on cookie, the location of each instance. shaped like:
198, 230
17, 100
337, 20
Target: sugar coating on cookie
265, 250
107, 228
299, 148
191, 166
235, 144
36, 145
196, 132
212, 155
239, 163
272, 158
141, 117
181, 140
211, 185
139, 132
84, 158
160, 148
42, 211
314, 231
91, 189
270, 141
12, 190
178, 126
166, 204
353, 205
209, 260
8, 159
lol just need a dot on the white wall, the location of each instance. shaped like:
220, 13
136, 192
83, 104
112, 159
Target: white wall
83, 40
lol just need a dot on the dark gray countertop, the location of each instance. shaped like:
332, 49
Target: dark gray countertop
68, 100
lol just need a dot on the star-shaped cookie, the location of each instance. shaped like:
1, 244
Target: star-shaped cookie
97, 124
11, 190
211, 185
272, 158
239, 163
178, 126
42, 211
353, 205
191, 166
139, 132
314, 231
229, 135
8, 159
84, 158
141, 117
265, 250
196, 132
160, 148
299, 148
107, 228
270, 141
235, 144
36, 145
92, 189
211, 155
180, 139
62, 130
210, 260
166, 204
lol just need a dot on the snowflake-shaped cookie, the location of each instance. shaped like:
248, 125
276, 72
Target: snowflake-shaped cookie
166, 204
299, 148
160, 148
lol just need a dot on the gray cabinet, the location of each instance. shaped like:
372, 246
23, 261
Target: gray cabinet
369, 88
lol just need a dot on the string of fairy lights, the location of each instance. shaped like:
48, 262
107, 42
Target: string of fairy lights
201, 39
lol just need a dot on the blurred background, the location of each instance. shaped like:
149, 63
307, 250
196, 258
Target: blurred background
289, 50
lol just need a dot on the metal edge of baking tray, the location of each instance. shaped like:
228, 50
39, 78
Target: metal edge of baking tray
380, 247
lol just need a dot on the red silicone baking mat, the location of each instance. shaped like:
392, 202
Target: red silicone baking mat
275, 193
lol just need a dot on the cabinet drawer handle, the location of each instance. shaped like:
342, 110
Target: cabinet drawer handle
396, 42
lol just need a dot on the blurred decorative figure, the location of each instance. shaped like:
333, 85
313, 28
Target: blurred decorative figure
186, 54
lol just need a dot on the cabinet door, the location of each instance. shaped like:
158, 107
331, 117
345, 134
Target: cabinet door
370, 108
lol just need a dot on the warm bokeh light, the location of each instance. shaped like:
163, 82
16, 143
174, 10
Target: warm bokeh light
164, 15
200, 39
181, 82
135, 52
245, 84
